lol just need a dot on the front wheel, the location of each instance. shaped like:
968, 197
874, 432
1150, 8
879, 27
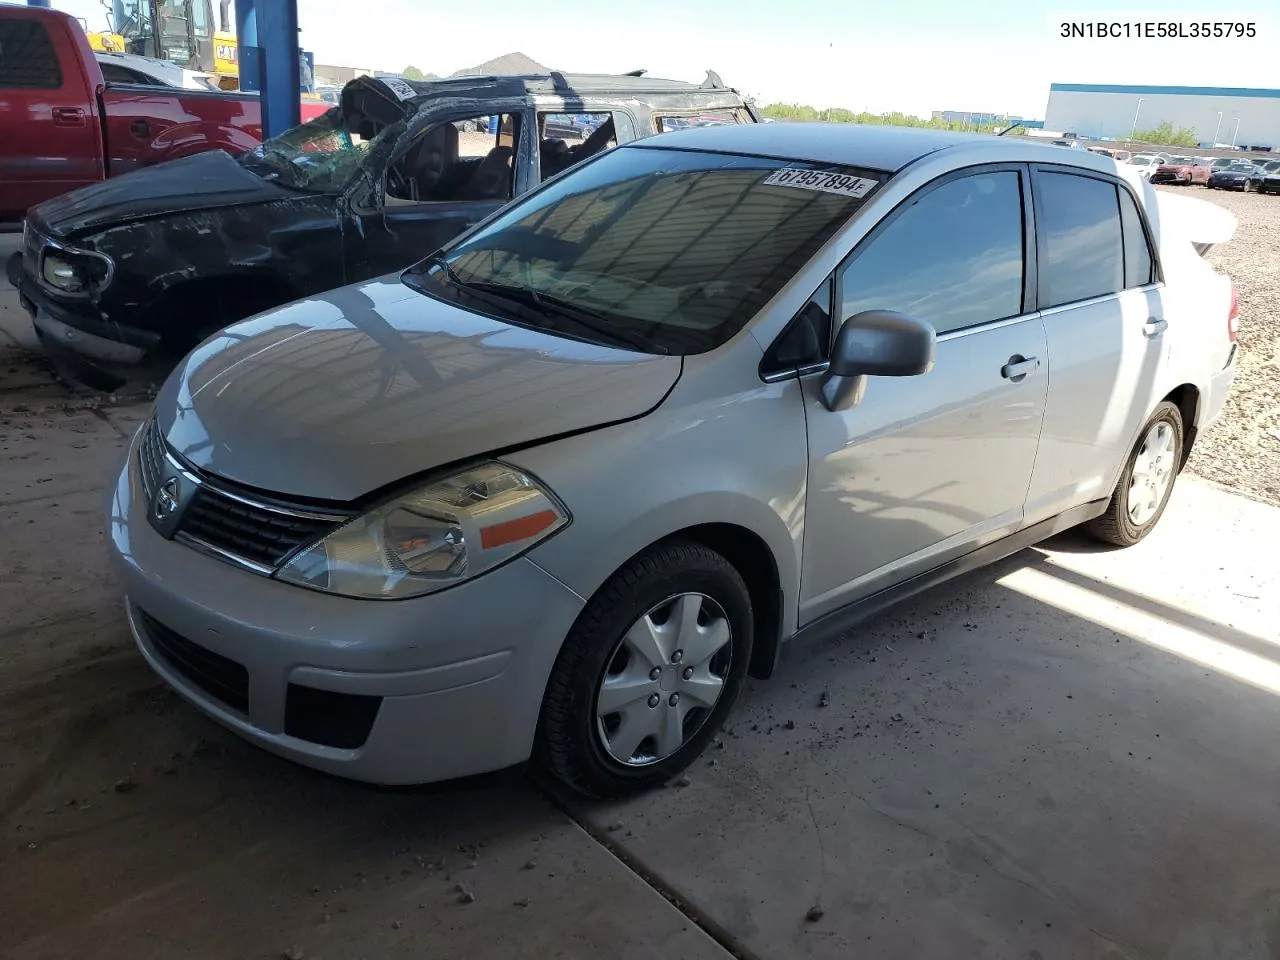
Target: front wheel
648, 672
1139, 499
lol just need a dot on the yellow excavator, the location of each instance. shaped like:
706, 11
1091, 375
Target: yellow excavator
181, 31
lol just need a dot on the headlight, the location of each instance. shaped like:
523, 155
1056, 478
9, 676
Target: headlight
444, 533
75, 271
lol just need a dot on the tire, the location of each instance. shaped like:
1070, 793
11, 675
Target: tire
1118, 525
574, 744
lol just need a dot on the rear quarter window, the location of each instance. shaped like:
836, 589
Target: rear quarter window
28, 60
1080, 238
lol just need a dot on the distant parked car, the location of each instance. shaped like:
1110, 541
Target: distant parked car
1146, 163
1266, 178
1235, 177
1183, 170
1121, 156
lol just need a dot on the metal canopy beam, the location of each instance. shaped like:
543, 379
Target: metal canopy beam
267, 31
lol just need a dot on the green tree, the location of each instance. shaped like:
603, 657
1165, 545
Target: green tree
413, 73
802, 111
1166, 135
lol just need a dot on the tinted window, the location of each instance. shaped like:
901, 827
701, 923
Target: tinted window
1137, 254
806, 338
953, 257
27, 59
1082, 255
660, 250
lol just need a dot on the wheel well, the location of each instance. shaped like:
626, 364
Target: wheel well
1187, 399
216, 302
755, 564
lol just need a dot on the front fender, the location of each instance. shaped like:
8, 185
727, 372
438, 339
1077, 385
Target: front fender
739, 459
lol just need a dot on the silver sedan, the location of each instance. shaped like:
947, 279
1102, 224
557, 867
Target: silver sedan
557, 490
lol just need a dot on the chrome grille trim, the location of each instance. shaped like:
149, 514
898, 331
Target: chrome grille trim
216, 511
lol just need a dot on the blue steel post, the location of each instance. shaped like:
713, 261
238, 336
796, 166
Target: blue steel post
249, 55
38, 3
281, 83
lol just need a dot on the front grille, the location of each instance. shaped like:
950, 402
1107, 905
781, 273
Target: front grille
220, 677
253, 532
150, 457
341, 720
240, 523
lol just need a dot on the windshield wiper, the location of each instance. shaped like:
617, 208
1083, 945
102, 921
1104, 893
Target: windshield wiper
545, 303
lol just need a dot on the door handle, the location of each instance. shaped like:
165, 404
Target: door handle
140, 129
1154, 326
68, 116
1018, 367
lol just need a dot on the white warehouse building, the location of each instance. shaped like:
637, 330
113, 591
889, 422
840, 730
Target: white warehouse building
1238, 116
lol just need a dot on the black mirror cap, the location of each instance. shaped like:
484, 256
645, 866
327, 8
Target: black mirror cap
883, 343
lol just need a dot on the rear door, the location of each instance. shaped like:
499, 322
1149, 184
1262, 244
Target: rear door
1100, 294
925, 469
50, 141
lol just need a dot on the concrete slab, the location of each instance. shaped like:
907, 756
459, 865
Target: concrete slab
1072, 754
131, 826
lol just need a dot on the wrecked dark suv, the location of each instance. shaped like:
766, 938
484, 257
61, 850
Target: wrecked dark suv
149, 264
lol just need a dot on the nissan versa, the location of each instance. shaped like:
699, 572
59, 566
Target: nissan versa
556, 491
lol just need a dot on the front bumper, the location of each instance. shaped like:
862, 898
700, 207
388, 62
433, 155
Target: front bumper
92, 349
455, 679
1230, 184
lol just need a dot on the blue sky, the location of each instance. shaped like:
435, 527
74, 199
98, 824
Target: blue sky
912, 55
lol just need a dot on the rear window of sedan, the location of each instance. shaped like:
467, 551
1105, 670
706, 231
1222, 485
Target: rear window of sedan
660, 250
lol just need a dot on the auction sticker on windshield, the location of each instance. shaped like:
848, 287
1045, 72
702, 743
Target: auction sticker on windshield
825, 181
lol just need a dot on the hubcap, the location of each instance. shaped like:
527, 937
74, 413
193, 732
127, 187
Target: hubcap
663, 679
1153, 471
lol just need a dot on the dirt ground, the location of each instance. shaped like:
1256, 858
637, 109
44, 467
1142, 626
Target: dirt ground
1243, 449
1069, 755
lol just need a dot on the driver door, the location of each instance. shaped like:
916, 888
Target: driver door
447, 173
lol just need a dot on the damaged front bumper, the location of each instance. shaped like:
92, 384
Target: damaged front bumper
90, 349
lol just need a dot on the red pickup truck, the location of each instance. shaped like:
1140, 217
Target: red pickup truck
62, 126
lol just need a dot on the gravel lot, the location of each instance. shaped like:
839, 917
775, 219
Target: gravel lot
1242, 450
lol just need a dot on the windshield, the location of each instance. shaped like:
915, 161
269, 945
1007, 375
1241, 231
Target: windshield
662, 251
320, 156
1142, 161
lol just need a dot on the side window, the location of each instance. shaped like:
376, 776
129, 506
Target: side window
114, 73
470, 158
953, 256
1137, 254
709, 118
200, 20
806, 338
1081, 249
568, 138
27, 58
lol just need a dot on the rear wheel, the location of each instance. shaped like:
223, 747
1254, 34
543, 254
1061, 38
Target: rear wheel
648, 672
1139, 499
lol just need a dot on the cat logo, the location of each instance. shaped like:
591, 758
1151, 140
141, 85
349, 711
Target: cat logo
226, 51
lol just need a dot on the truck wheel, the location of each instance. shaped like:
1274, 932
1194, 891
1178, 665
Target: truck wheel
1139, 499
648, 672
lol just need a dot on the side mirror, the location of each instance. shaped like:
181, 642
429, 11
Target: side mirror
875, 343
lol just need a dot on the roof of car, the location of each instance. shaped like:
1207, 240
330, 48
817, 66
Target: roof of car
562, 84
846, 144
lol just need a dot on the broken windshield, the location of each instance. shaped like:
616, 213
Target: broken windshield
320, 156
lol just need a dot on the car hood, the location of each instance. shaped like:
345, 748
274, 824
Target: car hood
336, 396
200, 182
